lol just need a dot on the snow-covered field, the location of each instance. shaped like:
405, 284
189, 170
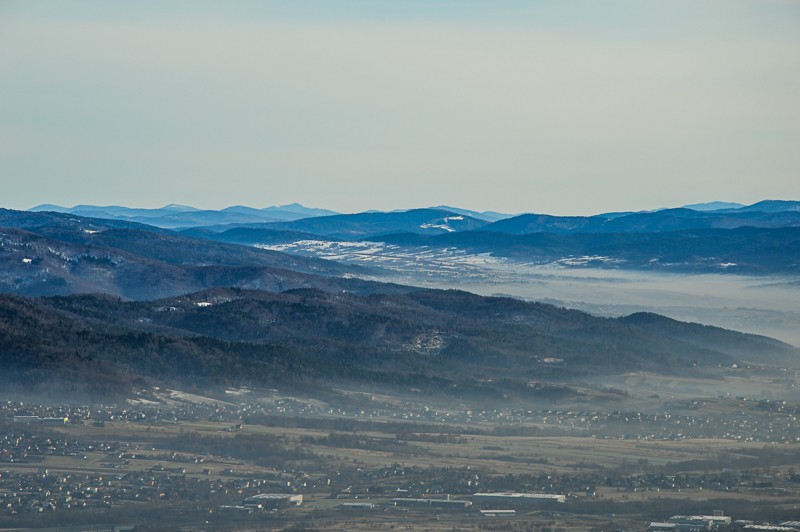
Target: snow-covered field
447, 263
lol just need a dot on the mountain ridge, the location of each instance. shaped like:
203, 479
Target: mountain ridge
239, 315
744, 250
173, 216
662, 220
434, 339
60, 254
371, 224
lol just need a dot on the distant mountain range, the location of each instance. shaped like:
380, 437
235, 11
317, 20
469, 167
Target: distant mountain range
713, 206
181, 216
372, 224
175, 216
766, 214
100, 305
649, 222
763, 238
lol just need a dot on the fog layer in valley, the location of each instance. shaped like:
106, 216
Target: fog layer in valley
767, 306
761, 305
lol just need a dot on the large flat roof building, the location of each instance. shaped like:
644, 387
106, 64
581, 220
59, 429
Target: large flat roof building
706, 522
274, 500
515, 499
433, 503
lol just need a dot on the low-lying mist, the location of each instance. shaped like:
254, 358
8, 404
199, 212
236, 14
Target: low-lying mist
760, 305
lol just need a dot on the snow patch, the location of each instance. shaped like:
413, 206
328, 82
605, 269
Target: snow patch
586, 260
444, 227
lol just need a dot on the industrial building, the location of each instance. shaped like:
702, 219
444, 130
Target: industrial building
454, 504
510, 499
771, 528
270, 501
692, 523
357, 506
707, 521
684, 526
498, 513
43, 420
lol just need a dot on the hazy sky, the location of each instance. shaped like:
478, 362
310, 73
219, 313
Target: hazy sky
565, 107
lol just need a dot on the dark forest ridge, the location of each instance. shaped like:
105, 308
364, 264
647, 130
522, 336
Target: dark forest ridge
446, 342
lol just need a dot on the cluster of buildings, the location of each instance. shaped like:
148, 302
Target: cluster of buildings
717, 521
764, 420
25, 441
20, 446
691, 523
47, 491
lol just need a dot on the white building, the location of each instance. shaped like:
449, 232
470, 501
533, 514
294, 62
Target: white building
706, 522
505, 499
273, 500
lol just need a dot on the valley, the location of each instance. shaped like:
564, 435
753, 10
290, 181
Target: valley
764, 305
274, 379
367, 461
399, 265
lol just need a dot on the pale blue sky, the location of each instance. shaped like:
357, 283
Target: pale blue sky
565, 107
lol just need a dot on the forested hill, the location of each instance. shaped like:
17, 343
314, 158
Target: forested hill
48, 253
427, 339
744, 250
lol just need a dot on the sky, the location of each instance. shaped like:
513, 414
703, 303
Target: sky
561, 107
